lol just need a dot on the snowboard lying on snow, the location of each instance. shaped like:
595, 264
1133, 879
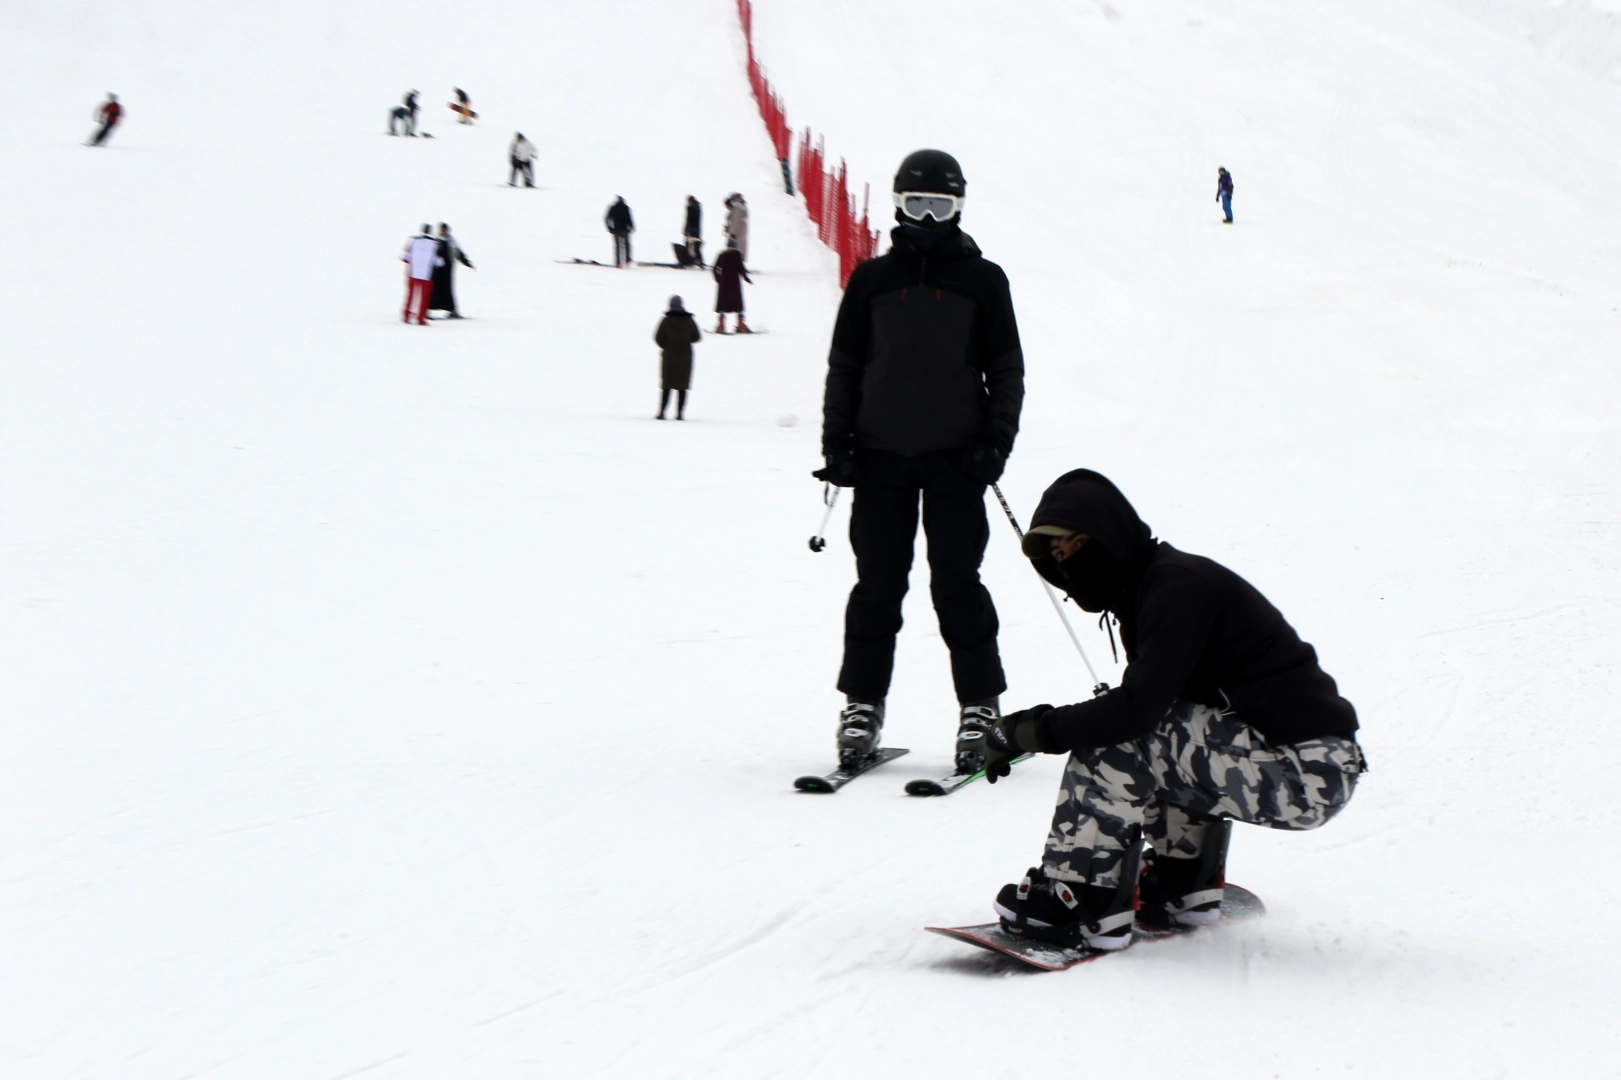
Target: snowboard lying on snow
1237, 904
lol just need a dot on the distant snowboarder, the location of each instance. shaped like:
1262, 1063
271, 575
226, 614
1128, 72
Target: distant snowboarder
1222, 714
1224, 193
462, 106
677, 334
691, 253
619, 222
444, 272
730, 273
925, 384
737, 223
522, 155
404, 116
107, 114
421, 255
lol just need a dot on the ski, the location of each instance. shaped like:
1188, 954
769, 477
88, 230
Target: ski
827, 785
1237, 904
947, 784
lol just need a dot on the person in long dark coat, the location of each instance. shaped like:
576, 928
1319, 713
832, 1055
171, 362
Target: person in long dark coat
677, 334
730, 273
444, 275
619, 222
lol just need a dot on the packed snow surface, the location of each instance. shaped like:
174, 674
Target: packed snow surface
397, 702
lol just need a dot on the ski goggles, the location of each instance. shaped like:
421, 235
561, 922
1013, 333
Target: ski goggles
918, 205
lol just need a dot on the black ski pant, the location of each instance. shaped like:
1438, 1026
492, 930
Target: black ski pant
525, 169
621, 248
106, 130
883, 527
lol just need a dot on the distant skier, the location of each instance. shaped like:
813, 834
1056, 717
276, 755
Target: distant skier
421, 255
108, 114
730, 273
619, 222
1222, 714
737, 223
925, 383
1224, 193
522, 155
449, 253
404, 116
463, 106
692, 235
677, 334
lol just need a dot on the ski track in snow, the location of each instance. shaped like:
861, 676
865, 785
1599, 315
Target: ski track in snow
396, 702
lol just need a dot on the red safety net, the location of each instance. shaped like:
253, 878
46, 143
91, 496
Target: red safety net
828, 200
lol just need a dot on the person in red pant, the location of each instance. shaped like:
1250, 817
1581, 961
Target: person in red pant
421, 255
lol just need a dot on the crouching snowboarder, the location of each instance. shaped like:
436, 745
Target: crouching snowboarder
1223, 714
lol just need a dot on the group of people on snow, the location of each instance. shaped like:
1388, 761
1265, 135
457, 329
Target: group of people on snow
430, 274
1223, 713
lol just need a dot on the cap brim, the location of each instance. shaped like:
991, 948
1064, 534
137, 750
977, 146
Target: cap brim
1038, 541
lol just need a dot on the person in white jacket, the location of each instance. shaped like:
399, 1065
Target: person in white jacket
737, 223
421, 255
522, 154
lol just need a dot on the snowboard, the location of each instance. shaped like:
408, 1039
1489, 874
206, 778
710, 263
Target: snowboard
585, 262
1237, 904
459, 111
827, 785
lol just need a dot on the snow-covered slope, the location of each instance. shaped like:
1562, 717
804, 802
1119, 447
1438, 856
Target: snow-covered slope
405, 702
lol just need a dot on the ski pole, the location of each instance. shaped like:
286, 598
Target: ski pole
1098, 685
830, 496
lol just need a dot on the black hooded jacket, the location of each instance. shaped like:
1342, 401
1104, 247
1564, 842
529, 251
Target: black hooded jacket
1192, 629
925, 353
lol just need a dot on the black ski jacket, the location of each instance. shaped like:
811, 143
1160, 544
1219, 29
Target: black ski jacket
695, 212
618, 218
1192, 629
925, 353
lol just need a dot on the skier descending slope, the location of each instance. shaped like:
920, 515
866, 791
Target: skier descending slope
1223, 713
925, 382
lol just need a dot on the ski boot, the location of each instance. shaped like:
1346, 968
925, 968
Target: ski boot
977, 718
861, 724
1096, 917
1187, 892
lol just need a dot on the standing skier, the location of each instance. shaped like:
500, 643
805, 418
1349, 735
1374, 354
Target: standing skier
405, 114
108, 114
1224, 193
692, 233
925, 382
1223, 713
737, 223
444, 273
730, 273
421, 255
677, 333
618, 222
521, 154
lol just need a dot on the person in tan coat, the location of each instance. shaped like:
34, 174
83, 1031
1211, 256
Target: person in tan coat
677, 333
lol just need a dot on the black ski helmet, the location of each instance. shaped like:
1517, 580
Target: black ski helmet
931, 170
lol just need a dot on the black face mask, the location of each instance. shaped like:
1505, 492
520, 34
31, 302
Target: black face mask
926, 237
1095, 579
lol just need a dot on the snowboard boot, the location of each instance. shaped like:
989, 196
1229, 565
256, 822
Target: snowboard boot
1187, 892
861, 724
1096, 917
976, 718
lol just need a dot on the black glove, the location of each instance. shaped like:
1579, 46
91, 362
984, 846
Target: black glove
984, 462
840, 469
1014, 734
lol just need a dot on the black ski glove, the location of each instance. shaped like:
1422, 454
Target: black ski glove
1014, 734
840, 469
984, 461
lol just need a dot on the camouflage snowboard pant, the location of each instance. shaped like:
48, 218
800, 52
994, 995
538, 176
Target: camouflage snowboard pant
1201, 764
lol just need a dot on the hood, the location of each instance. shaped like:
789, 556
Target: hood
1105, 572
